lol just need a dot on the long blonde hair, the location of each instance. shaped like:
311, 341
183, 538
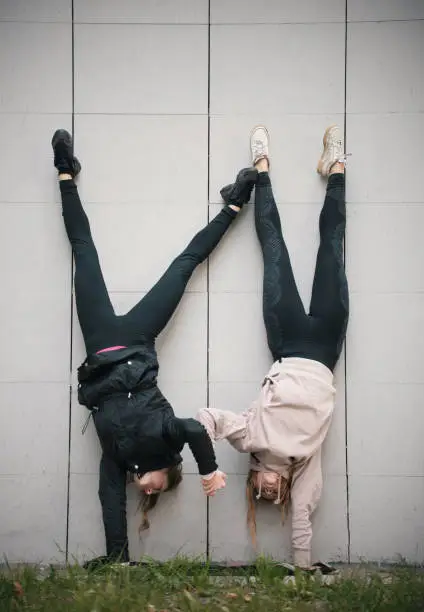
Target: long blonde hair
251, 496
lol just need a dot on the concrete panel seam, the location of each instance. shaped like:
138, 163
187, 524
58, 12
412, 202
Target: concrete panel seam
345, 353
71, 321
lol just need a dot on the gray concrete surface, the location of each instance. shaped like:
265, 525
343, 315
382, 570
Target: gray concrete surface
161, 96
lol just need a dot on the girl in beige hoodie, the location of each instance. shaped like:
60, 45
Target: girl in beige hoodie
284, 428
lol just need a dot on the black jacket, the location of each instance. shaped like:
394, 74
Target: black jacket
137, 428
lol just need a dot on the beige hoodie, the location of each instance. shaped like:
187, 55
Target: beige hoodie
285, 428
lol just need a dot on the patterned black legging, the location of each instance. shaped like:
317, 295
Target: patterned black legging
100, 326
290, 331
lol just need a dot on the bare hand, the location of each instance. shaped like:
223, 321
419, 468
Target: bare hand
218, 481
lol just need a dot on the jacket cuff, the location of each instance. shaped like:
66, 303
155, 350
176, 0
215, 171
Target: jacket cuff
208, 476
302, 558
208, 467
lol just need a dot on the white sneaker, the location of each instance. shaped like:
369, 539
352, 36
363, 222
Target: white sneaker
333, 150
259, 143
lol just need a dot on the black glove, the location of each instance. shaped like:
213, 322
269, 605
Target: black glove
238, 193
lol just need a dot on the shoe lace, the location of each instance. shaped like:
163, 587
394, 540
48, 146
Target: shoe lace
258, 147
336, 145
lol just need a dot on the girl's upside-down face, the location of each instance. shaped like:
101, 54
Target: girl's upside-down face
152, 482
267, 484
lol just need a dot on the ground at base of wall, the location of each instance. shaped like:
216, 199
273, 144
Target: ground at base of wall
180, 586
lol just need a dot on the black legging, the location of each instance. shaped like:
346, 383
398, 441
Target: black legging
101, 327
290, 331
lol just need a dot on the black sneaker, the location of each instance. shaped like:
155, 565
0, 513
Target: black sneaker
64, 159
238, 193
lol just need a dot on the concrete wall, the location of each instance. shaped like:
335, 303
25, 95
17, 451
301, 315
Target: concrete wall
161, 96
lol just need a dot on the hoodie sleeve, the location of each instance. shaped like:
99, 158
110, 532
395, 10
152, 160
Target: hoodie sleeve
190, 431
113, 498
305, 494
225, 425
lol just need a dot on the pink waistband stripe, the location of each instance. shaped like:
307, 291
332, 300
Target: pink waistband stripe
110, 348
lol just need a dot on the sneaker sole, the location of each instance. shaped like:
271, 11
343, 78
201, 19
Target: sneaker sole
61, 135
324, 142
64, 135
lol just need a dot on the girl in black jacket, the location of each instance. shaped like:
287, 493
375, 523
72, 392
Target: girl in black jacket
136, 425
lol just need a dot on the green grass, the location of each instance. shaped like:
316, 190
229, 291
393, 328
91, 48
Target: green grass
186, 586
